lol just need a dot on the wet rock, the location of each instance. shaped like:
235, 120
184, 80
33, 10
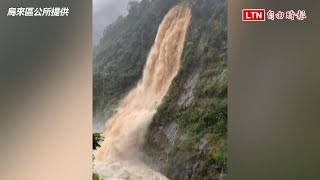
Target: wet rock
186, 97
170, 131
203, 142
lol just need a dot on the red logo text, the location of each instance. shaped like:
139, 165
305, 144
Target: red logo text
253, 15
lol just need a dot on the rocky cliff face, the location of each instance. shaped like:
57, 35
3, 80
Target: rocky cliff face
187, 137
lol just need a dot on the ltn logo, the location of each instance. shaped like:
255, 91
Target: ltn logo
253, 15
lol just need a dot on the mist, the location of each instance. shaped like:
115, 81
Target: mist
125, 130
104, 13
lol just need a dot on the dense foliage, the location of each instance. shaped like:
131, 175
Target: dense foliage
122, 52
199, 146
199, 150
96, 139
95, 176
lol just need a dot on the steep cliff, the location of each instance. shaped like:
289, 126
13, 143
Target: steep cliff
187, 139
120, 56
187, 136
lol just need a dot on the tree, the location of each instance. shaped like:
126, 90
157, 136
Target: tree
133, 7
96, 139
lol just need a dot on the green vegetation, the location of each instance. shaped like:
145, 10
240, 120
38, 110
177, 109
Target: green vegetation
221, 155
96, 138
122, 52
95, 176
127, 178
199, 149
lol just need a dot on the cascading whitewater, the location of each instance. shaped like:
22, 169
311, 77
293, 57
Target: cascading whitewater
125, 130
